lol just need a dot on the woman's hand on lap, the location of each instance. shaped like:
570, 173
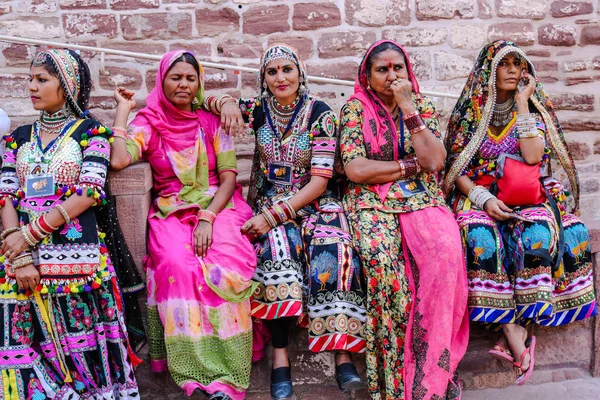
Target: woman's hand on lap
202, 238
497, 209
256, 227
13, 245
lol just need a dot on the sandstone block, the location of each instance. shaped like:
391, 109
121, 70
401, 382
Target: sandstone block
547, 79
580, 124
302, 44
133, 213
156, 26
484, 8
340, 44
211, 22
434, 9
416, 37
421, 63
150, 79
249, 48
532, 9
590, 35
220, 79
5, 9
577, 80
264, 20
557, 35
521, 33
545, 66
102, 102
590, 185
133, 4
378, 13
579, 150
596, 63
18, 54
81, 4
538, 53
36, 6
573, 101
37, 27
88, 24
562, 8
597, 147
14, 85
118, 76
575, 65
312, 16
346, 70
202, 50
471, 37
451, 66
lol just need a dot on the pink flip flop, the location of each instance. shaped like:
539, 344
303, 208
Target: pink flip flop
521, 379
502, 353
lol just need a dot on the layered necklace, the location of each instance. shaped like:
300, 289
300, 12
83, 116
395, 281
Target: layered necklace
56, 122
281, 117
502, 113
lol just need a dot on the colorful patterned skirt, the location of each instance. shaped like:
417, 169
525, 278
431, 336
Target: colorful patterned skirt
199, 324
417, 327
510, 267
309, 266
65, 346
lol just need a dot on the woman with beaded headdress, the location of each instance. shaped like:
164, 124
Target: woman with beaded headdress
306, 262
64, 335
199, 266
527, 263
417, 327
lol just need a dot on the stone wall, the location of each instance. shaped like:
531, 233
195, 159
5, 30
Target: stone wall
443, 38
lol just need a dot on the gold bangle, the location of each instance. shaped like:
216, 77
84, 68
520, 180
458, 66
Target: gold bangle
22, 262
8, 231
27, 236
63, 212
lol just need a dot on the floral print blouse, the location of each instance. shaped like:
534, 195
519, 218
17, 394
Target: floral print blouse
359, 196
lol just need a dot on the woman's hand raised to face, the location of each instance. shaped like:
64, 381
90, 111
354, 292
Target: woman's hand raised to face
232, 121
125, 98
402, 89
523, 95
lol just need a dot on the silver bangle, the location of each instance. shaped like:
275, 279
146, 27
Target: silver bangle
63, 212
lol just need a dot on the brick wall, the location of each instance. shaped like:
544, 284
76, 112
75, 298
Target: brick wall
443, 38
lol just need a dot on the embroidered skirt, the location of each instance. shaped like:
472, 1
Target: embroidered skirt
309, 266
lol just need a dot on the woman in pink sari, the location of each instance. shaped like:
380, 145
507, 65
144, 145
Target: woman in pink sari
199, 267
409, 244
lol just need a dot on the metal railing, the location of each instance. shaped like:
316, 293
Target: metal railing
208, 64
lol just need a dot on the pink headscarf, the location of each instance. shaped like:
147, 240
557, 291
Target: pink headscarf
176, 127
372, 104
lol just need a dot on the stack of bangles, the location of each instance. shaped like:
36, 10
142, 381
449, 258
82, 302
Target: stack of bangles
38, 229
215, 104
409, 167
479, 196
119, 132
207, 215
413, 122
526, 126
279, 213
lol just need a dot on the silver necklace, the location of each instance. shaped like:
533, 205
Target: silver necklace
502, 113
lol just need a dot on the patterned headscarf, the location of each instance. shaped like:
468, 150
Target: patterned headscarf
69, 74
470, 119
277, 52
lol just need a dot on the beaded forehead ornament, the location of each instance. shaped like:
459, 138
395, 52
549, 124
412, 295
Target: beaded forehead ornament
68, 72
277, 52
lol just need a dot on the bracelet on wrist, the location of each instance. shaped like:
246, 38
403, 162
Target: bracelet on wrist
207, 215
5, 233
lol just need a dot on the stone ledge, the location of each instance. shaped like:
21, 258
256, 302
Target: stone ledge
133, 180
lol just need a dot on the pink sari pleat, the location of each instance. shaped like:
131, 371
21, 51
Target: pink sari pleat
438, 328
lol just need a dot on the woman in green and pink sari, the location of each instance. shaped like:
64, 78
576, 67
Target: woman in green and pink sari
199, 267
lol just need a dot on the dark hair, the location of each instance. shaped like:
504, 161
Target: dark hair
85, 81
187, 58
378, 50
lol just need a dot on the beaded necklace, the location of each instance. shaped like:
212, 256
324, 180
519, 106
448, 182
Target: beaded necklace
281, 117
55, 123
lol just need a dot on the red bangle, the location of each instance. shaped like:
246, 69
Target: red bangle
413, 122
33, 233
207, 215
